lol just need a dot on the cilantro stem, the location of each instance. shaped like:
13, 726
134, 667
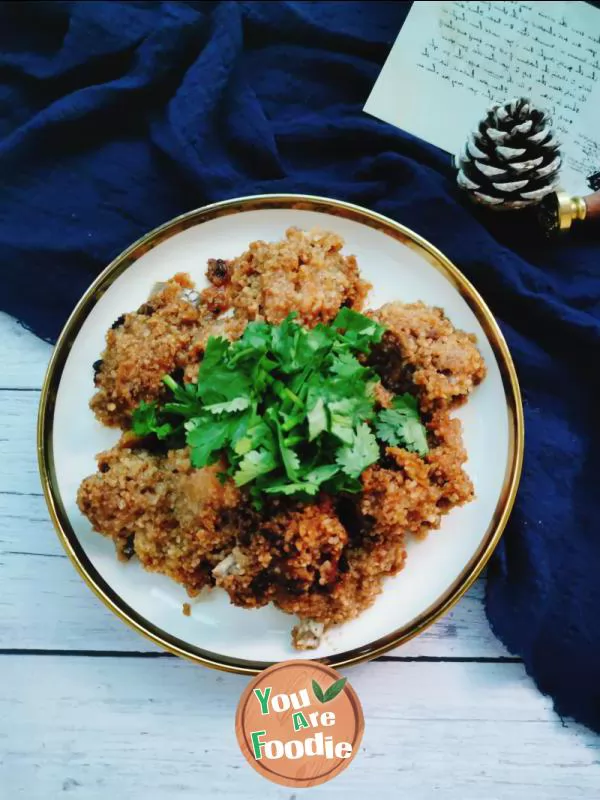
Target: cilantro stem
291, 423
293, 397
170, 383
241, 354
292, 441
288, 457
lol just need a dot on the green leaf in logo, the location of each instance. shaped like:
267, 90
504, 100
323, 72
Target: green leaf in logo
331, 693
318, 692
334, 690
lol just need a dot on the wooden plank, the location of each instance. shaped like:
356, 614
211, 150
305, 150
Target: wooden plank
18, 465
131, 727
23, 356
45, 604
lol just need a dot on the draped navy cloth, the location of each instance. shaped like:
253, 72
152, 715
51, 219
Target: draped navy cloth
115, 117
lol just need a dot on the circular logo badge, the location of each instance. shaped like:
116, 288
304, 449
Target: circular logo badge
299, 723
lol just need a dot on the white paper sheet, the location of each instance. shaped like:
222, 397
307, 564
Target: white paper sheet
452, 60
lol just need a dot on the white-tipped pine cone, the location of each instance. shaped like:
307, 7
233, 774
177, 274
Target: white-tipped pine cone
512, 159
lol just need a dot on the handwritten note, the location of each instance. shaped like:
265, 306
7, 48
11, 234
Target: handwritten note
452, 60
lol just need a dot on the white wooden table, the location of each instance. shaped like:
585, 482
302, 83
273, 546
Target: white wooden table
89, 709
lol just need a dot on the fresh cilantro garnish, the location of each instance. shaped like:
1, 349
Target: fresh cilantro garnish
206, 436
146, 421
317, 419
253, 464
291, 410
357, 330
354, 458
401, 425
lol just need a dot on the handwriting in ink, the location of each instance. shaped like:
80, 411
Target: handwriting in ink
493, 49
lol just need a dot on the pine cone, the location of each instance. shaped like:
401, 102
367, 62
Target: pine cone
512, 159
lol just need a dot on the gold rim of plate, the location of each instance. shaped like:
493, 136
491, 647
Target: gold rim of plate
337, 208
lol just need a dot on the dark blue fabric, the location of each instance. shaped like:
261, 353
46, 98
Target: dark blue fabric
115, 117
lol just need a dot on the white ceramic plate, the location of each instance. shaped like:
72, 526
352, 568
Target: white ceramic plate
401, 266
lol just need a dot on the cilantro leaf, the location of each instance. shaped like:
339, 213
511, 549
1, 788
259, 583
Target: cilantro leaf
229, 406
299, 487
401, 425
359, 331
313, 344
253, 464
415, 436
284, 343
317, 419
345, 365
249, 434
145, 421
322, 473
310, 484
342, 422
224, 384
356, 457
256, 336
217, 380
289, 459
214, 355
406, 402
206, 437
